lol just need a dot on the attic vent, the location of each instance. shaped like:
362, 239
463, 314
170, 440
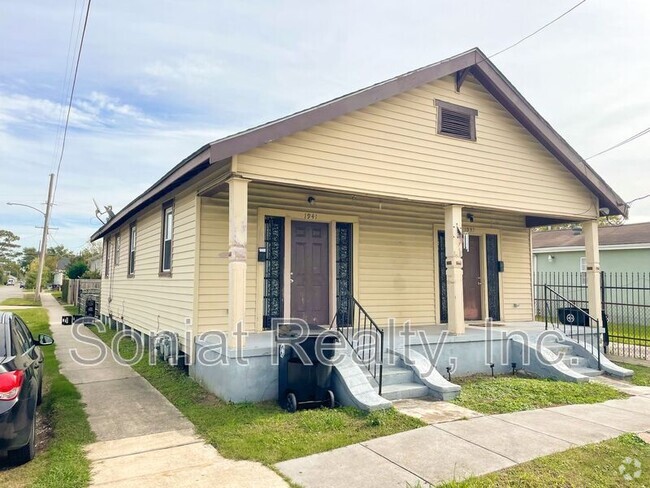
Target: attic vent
456, 121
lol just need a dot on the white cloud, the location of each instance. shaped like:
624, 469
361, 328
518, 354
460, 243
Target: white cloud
159, 79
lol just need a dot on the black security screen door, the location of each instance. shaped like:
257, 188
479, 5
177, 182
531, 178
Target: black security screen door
442, 277
492, 255
273, 270
343, 272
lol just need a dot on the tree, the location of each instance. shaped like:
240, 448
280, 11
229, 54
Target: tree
77, 269
60, 252
8, 246
28, 255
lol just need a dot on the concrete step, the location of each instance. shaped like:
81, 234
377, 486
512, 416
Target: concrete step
559, 348
403, 391
587, 371
573, 361
393, 375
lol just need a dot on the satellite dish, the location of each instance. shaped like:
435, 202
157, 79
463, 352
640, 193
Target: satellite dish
108, 210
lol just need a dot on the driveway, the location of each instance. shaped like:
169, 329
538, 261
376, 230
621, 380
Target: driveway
10, 292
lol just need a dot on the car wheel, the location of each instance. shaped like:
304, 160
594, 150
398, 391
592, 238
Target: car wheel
25, 453
292, 403
39, 397
329, 399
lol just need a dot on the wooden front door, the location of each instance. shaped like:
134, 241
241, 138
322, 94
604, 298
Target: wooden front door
310, 272
472, 279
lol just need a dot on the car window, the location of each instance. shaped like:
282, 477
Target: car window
3, 341
22, 338
25, 330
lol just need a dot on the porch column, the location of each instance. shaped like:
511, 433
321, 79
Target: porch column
237, 240
454, 263
590, 231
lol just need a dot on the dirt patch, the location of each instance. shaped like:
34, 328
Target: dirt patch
44, 432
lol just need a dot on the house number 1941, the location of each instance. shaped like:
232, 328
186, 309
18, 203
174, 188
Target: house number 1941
311, 216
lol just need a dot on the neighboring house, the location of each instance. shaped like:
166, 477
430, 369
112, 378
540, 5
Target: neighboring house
59, 273
373, 194
623, 249
95, 264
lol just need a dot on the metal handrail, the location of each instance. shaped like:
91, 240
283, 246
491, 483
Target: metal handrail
356, 325
549, 317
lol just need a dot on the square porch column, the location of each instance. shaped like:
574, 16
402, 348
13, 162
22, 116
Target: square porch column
237, 241
454, 264
592, 252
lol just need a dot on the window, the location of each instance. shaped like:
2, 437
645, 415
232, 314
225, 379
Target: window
107, 258
583, 270
456, 121
118, 249
132, 239
22, 337
167, 237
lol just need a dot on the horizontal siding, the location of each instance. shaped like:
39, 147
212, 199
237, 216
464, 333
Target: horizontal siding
147, 301
391, 148
396, 265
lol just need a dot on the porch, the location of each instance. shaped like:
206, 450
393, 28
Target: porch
299, 254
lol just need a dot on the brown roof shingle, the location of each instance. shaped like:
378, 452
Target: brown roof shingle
607, 236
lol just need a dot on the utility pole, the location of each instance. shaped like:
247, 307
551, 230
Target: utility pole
43, 250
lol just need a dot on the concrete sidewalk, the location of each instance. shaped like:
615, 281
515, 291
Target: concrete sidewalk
456, 450
143, 440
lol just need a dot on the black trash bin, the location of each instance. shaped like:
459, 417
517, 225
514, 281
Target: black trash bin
573, 316
304, 381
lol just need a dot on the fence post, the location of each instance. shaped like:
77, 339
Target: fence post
546, 307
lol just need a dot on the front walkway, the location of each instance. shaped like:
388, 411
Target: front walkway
456, 450
142, 439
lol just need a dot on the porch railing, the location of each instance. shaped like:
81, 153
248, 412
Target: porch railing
364, 336
560, 313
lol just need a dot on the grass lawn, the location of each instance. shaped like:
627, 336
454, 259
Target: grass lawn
641, 374
26, 300
503, 394
63, 427
592, 465
71, 309
617, 332
262, 431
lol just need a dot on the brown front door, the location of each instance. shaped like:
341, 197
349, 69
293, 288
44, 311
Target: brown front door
310, 272
472, 279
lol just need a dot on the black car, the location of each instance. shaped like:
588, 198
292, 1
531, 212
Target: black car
21, 383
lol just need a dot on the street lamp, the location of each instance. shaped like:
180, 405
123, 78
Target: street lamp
28, 206
46, 215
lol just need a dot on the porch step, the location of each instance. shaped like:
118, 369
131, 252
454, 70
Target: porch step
559, 348
587, 371
574, 362
404, 390
393, 375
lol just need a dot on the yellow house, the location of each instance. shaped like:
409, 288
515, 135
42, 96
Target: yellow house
414, 196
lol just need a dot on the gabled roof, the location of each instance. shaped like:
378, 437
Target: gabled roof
619, 235
471, 62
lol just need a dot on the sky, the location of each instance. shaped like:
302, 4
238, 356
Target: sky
158, 79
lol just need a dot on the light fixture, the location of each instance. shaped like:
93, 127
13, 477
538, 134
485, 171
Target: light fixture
470, 217
551, 258
311, 200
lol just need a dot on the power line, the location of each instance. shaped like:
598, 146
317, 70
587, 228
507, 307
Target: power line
74, 84
67, 78
629, 139
637, 199
538, 30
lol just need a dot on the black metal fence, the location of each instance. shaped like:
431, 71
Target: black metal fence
625, 300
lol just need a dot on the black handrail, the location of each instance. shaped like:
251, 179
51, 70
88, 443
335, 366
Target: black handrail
559, 316
359, 329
